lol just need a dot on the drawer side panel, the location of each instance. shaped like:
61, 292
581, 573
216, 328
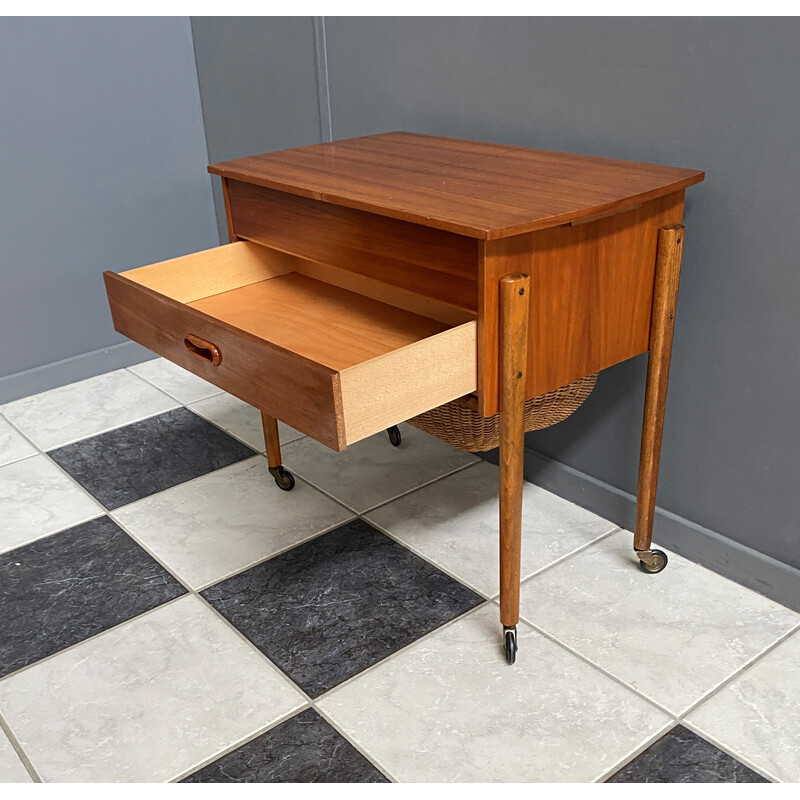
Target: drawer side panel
399, 385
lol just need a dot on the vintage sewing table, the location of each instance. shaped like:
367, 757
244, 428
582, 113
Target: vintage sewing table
371, 280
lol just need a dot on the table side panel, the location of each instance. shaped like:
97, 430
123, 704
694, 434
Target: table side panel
424, 260
590, 298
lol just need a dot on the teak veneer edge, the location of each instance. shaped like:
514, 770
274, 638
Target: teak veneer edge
474, 189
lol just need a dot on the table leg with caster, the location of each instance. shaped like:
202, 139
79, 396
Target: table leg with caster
662, 325
283, 478
514, 299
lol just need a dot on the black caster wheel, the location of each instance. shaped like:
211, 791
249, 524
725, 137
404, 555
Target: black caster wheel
395, 436
653, 561
283, 478
510, 640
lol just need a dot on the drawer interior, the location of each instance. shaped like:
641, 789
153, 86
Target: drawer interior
322, 322
387, 353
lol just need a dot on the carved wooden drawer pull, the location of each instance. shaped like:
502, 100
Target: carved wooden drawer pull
203, 349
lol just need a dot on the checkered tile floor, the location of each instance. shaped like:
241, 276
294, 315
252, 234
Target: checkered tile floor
167, 613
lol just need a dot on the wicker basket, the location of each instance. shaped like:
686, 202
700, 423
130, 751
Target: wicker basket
459, 424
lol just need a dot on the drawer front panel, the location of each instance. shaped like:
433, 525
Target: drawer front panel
297, 391
429, 262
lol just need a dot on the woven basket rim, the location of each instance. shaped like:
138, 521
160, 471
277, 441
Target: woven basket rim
458, 423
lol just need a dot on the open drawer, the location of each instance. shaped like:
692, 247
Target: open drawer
336, 355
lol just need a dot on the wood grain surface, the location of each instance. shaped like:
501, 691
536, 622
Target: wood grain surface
210, 272
429, 262
272, 439
408, 381
665, 300
334, 364
326, 324
590, 299
477, 189
514, 305
285, 385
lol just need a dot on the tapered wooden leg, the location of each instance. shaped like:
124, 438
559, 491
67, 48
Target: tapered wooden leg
271, 439
514, 300
662, 325
283, 477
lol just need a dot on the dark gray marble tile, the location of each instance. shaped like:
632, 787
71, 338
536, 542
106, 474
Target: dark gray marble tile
333, 606
58, 591
133, 462
304, 749
681, 756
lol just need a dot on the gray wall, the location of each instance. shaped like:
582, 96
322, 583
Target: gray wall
102, 157
258, 83
713, 94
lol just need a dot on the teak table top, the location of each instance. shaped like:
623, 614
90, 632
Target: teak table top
477, 189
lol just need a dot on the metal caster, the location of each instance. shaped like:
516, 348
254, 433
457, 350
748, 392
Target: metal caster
394, 435
652, 561
283, 478
510, 639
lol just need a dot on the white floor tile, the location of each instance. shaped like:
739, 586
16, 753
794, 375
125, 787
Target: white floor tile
449, 709
11, 768
241, 420
177, 382
372, 471
757, 715
37, 499
219, 524
454, 523
80, 410
673, 636
145, 701
13, 446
